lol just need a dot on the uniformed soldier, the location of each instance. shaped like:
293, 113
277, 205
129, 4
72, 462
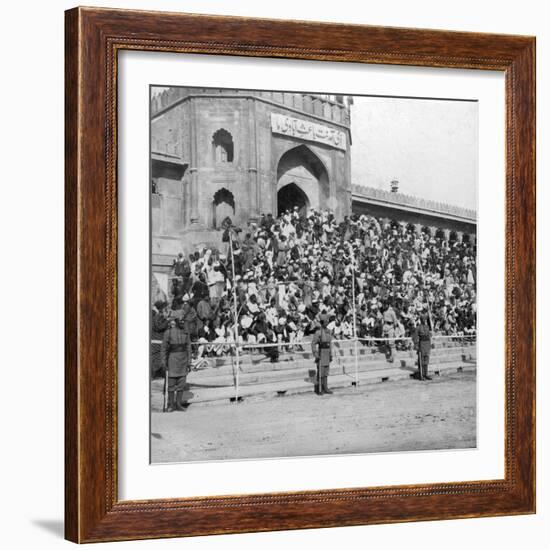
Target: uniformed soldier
322, 351
175, 355
389, 320
422, 339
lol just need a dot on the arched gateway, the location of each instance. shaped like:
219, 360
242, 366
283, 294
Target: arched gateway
238, 154
302, 181
289, 196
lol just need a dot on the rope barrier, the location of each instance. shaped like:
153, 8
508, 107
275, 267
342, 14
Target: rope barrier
244, 345
236, 358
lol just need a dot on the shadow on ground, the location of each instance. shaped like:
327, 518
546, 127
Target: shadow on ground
55, 527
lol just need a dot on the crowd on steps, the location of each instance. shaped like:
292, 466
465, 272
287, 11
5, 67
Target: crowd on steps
279, 275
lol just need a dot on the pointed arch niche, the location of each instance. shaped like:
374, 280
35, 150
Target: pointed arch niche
222, 146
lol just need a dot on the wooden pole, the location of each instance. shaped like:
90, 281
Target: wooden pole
236, 316
354, 309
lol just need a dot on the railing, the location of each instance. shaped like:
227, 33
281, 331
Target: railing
402, 199
238, 355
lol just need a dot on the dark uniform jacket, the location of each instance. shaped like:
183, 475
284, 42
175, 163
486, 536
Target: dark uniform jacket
321, 347
175, 352
422, 339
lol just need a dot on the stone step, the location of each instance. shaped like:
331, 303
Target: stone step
300, 370
262, 364
200, 395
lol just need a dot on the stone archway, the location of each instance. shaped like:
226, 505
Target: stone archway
223, 206
290, 196
302, 180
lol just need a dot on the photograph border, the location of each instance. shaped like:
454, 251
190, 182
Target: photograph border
93, 38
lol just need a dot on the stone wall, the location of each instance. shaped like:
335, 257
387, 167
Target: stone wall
422, 220
192, 174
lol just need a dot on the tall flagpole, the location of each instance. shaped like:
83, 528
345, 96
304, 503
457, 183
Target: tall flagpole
235, 313
354, 315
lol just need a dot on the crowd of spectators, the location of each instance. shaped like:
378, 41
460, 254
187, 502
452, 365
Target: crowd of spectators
279, 275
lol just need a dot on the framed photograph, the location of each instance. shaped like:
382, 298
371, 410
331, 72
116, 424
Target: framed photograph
300, 275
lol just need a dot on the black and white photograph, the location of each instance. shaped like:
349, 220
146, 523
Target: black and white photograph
270, 243
313, 274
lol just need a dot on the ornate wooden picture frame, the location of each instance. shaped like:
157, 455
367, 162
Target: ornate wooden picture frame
94, 37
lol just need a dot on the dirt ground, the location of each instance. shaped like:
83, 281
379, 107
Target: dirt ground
403, 415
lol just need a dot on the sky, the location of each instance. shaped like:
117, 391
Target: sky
429, 146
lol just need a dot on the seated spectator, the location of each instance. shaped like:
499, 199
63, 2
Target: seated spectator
291, 269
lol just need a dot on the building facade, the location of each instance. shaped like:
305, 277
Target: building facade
218, 153
239, 154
